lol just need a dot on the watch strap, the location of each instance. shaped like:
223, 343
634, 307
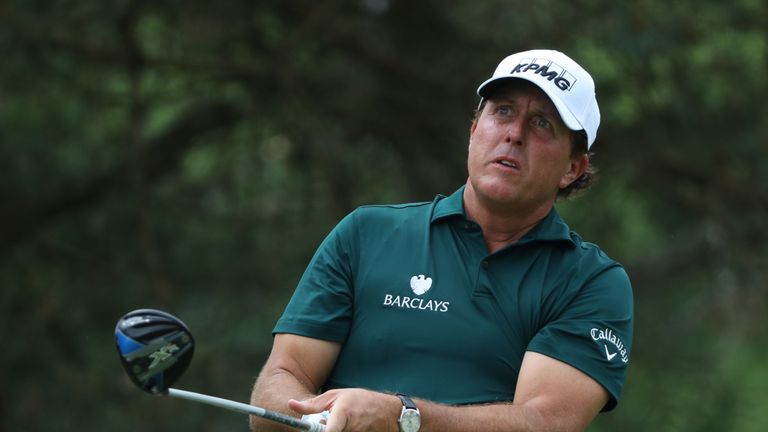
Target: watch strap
407, 402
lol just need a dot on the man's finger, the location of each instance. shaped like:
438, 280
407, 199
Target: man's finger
308, 406
336, 422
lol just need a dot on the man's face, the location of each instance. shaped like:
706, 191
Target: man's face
520, 149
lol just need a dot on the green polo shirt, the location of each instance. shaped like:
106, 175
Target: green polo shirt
422, 308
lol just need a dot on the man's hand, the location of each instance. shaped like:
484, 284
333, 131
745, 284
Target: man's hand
354, 410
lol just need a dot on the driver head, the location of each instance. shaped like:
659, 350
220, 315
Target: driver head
155, 348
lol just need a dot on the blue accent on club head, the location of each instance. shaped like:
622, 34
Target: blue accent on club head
126, 344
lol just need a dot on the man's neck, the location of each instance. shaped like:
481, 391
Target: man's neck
502, 225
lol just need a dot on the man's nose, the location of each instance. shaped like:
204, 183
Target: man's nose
516, 130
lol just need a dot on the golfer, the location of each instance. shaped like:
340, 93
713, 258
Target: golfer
477, 311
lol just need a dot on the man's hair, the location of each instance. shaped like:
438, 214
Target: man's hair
578, 149
588, 177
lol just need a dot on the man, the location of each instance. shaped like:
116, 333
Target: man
480, 311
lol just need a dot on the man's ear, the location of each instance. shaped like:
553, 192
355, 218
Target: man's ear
471, 132
577, 167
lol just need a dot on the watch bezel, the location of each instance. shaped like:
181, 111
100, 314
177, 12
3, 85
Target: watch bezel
410, 420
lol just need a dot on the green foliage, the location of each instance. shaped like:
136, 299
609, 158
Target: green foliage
190, 156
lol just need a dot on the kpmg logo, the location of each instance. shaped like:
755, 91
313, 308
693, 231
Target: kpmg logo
548, 70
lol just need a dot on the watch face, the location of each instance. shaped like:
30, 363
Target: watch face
410, 421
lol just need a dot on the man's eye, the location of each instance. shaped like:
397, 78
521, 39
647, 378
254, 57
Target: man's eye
543, 123
503, 110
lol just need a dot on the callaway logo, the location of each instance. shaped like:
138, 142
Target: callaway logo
547, 69
162, 354
420, 284
608, 336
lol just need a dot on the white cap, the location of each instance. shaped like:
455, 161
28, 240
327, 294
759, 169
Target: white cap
567, 84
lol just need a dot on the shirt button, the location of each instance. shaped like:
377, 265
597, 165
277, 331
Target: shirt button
486, 264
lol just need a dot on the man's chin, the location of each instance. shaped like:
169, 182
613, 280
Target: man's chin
501, 192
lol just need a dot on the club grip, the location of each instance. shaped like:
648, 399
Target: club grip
316, 427
248, 409
287, 420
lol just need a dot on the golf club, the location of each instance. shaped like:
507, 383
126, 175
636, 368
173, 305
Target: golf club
155, 349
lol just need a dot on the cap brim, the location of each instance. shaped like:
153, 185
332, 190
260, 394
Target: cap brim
487, 88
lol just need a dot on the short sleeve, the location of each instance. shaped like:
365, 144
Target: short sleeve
594, 332
321, 305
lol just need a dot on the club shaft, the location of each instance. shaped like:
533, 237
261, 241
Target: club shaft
248, 409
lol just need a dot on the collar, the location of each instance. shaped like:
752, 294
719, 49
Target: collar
452, 205
551, 228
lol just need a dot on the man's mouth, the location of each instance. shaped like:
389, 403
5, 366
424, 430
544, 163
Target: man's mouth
508, 163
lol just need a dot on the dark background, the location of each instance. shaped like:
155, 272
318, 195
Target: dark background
190, 155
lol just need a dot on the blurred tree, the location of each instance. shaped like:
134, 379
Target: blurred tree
190, 156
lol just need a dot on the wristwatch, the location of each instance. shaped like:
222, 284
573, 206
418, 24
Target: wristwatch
410, 418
